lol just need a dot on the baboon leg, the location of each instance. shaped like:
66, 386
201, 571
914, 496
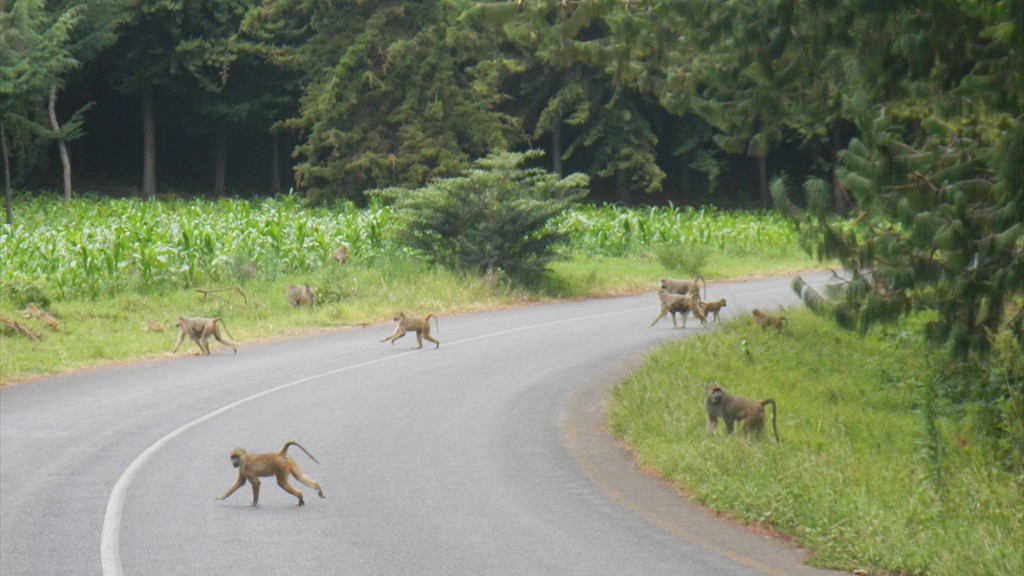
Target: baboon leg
398, 333
255, 491
238, 484
301, 477
437, 343
282, 481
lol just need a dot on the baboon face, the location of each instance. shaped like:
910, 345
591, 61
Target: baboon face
714, 394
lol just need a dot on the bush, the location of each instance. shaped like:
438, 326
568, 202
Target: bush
492, 220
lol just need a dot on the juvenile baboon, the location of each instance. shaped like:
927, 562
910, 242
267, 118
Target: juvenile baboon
691, 287
766, 320
200, 329
279, 464
720, 404
31, 311
679, 303
341, 254
300, 295
421, 326
714, 307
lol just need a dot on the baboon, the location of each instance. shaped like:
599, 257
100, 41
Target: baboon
673, 286
714, 307
341, 254
31, 311
199, 330
279, 464
720, 404
153, 326
673, 303
300, 295
421, 326
766, 320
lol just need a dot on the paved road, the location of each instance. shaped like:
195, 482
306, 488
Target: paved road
487, 456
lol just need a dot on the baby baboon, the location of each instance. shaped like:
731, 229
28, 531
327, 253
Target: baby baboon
421, 326
341, 254
714, 307
199, 330
279, 464
720, 404
31, 311
673, 286
766, 320
673, 303
299, 295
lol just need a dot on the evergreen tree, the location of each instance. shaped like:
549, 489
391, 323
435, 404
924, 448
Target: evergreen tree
492, 220
395, 97
34, 44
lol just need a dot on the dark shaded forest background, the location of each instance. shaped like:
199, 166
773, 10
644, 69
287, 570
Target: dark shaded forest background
689, 102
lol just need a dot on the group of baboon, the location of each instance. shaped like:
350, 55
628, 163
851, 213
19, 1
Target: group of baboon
676, 297
683, 297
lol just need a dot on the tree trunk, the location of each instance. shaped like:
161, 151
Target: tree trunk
7, 172
275, 162
838, 191
148, 145
621, 187
220, 161
762, 181
556, 148
62, 145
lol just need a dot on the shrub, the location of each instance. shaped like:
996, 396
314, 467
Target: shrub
492, 220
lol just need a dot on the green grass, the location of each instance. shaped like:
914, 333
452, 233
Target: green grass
860, 477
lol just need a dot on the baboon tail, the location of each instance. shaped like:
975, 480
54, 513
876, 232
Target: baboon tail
437, 327
221, 320
284, 451
701, 279
774, 427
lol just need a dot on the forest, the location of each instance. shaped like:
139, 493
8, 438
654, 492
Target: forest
682, 101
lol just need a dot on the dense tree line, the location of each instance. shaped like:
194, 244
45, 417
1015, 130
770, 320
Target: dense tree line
668, 98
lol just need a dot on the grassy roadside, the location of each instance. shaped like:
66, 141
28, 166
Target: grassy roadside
863, 477
108, 329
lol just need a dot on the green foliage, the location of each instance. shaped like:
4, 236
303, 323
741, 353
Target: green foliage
874, 471
100, 247
398, 96
613, 230
34, 58
494, 219
939, 226
94, 246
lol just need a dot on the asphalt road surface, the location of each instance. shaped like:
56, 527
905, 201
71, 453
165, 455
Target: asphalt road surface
487, 456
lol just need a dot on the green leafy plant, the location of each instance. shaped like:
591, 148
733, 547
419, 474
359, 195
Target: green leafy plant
491, 220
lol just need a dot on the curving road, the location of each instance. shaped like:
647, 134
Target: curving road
487, 456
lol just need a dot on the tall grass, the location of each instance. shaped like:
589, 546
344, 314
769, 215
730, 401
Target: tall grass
101, 246
613, 230
871, 472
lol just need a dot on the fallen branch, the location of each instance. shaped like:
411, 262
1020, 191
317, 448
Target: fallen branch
207, 293
17, 327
